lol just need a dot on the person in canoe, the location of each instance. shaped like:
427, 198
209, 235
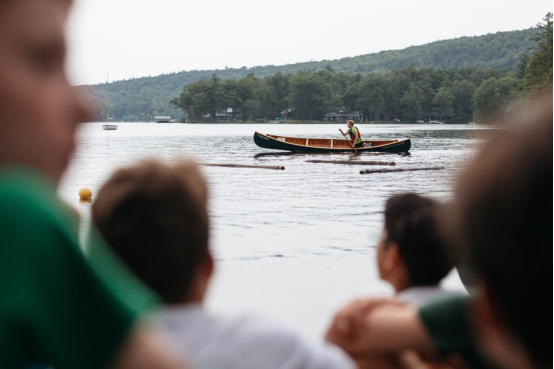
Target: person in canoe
355, 134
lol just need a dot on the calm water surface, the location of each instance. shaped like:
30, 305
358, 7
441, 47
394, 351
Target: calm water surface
292, 244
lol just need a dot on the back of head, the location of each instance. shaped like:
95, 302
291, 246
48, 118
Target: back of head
154, 217
504, 204
411, 222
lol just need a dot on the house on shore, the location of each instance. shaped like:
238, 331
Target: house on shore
288, 114
342, 116
224, 115
433, 116
162, 119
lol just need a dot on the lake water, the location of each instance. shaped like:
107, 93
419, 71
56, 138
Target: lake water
296, 244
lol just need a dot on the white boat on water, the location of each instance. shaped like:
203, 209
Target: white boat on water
109, 126
435, 122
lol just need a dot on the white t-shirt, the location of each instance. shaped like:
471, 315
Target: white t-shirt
213, 342
421, 295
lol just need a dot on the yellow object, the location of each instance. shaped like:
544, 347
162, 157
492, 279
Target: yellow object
85, 194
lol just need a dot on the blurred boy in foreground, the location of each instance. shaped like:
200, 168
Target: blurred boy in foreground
55, 308
503, 217
411, 254
154, 216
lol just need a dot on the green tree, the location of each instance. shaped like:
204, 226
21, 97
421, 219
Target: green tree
308, 95
252, 109
232, 98
372, 96
246, 90
443, 102
522, 64
376, 103
278, 85
213, 99
411, 103
203, 97
463, 91
351, 94
538, 72
493, 96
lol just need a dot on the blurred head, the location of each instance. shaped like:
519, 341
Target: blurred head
350, 123
411, 251
39, 110
154, 217
504, 205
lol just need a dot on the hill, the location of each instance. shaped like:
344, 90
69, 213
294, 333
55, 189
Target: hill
142, 98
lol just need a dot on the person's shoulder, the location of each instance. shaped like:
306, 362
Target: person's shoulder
246, 333
257, 329
424, 295
29, 206
23, 190
246, 342
447, 307
266, 339
447, 321
448, 300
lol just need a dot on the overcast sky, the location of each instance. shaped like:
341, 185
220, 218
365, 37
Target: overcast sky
136, 38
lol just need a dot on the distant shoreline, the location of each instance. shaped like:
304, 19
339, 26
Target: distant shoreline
309, 122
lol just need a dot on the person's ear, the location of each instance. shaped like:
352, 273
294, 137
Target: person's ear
205, 267
203, 274
209, 267
391, 257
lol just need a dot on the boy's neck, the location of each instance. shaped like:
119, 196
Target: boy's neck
400, 282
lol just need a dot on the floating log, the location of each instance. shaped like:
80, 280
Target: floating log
274, 167
353, 162
266, 154
371, 171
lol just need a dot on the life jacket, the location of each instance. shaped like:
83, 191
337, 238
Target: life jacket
353, 135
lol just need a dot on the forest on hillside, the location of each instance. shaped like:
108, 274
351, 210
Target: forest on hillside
407, 94
141, 98
410, 94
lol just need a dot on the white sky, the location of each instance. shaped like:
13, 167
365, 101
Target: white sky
136, 38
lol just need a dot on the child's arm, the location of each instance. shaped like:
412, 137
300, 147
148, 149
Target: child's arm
379, 327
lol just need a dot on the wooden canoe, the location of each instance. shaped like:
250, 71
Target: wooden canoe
328, 145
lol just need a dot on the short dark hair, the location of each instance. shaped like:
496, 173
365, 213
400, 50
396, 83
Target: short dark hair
154, 217
411, 222
504, 204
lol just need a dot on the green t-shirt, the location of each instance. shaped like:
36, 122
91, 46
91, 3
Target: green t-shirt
353, 131
55, 306
448, 323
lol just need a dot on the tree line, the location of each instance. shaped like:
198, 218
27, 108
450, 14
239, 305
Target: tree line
408, 94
